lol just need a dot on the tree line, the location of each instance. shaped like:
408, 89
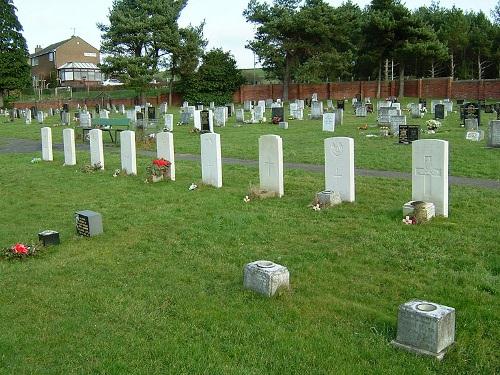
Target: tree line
311, 41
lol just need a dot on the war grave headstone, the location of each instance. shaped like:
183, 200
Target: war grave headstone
494, 134
197, 119
47, 144
128, 152
69, 147
329, 122
271, 164
28, 116
339, 117
211, 161
439, 112
96, 148
430, 173
408, 133
395, 122
165, 150
265, 277
169, 122
277, 114
88, 223
425, 328
339, 167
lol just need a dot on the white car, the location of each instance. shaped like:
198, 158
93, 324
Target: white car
112, 82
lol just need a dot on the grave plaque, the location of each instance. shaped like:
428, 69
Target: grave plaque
408, 133
88, 223
340, 104
205, 121
474, 135
185, 117
472, 111
278, 115
423, 103
49, 237
488, 108
439, 112
460, 102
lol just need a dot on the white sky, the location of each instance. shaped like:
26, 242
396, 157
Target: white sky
50, 21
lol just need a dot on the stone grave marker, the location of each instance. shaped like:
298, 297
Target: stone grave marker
85, 120
339, 117
471, 111
316, 110
96, 148
416, 110
211, 161
69, 147
361, 111
197, 120
269, 103
165, 150
278, 115
151, 113
265, 277
247, 105
408, 133
28, 116
207, 121
293, 110
494, 134
40, 117
283, 125
471, 124
240, 115
425, 328
430, 173
300, 104
169, 122
329, 122
488, 108
185, 117
395, 122
259, 113
88, 223
47, 144
434, 103
163, 109
271, 164
341, 104
439, 112
339, 167
329, 104
122, 109
104, 113
220, 116
128, 152
474, 135
448, 106
383, 117
262, 103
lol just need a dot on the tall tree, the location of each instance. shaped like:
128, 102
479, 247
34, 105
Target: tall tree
278, 41
141, 37
14, 68
495, 13
216, 80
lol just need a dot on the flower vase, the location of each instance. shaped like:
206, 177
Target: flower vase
156, 178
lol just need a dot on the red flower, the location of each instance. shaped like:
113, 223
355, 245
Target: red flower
19, 248
161, 162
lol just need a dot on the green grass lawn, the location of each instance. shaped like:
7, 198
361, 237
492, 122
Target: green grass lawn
160, 292
303, 142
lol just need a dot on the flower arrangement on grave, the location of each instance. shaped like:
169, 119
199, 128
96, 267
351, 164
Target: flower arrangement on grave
384, 131
432, 126
158, 169
276, 120
363, 127
20, 251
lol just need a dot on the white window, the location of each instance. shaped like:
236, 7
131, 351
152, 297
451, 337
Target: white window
68, 76
90, 54
34, 61
51, 56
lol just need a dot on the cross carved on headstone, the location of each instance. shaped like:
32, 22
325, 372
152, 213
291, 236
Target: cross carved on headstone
269, 163
428, 172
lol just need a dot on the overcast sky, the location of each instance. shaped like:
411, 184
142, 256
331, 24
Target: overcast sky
50, 21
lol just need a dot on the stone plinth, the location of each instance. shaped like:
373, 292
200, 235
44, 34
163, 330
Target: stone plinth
265, 277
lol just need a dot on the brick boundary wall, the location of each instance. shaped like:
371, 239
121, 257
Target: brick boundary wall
428, 88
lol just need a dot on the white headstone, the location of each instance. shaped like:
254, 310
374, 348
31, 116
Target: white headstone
259, 113
104, 113
122, 109
28, 116
316, 110
240, 115
128, 154
40, 117
96, 148
165, 150
271, 164
430, 173
265, 277
329, 122
262, 103
47, 144
211, 161
339, 167
169, 122
69, 147
361, 111
494, 134
197, 119
339, 117
395, 121
220, 116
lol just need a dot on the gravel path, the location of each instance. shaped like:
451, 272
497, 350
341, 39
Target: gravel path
14, 145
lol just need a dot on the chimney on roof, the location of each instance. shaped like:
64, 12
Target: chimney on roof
38, 48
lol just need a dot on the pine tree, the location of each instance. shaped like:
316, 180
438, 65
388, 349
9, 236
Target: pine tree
14, 68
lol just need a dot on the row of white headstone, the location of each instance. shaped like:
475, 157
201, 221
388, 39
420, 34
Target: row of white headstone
429, 162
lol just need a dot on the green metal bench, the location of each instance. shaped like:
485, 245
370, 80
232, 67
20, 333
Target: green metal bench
109, 125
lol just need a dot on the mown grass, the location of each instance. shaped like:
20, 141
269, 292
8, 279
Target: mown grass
161, 290
303, 142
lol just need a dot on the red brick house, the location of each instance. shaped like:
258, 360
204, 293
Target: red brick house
72, 62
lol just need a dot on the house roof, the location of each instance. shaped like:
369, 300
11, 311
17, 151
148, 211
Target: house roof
78, 65
50, 48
